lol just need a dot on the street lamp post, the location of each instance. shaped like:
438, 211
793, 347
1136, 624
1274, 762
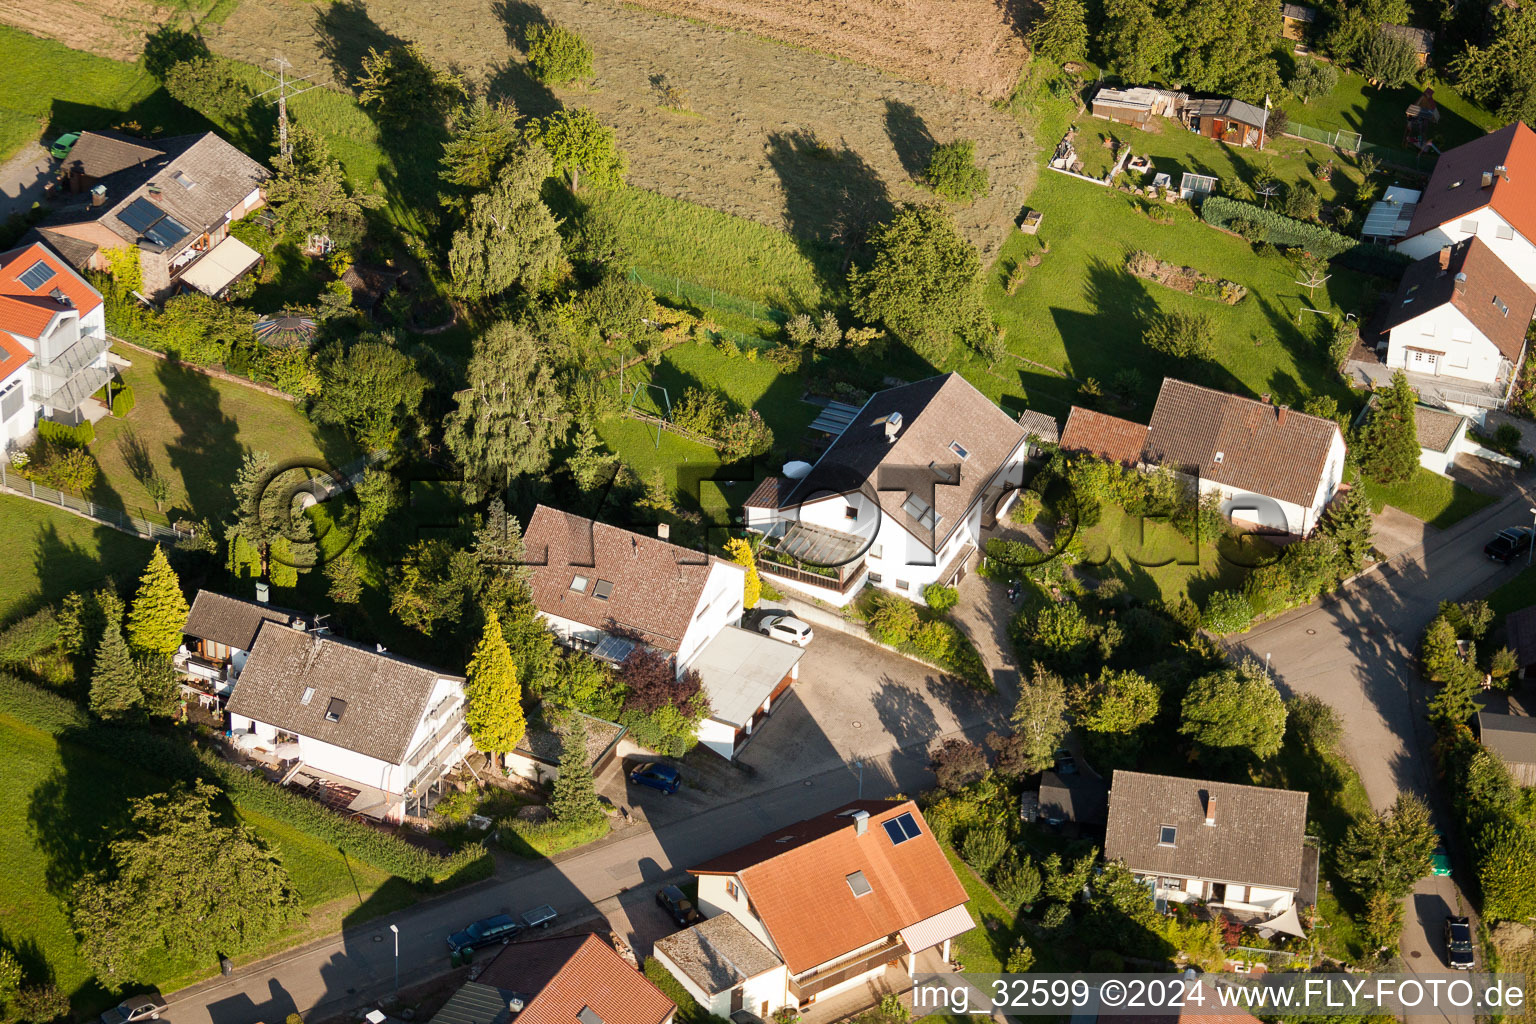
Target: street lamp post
860, 766
1266, 663
396, 929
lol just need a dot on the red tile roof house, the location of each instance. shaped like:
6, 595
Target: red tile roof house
1484, 188
820, 907
606, 590
171, 199
1275, 469
900, 497
572, 979
53, 344
1457, 326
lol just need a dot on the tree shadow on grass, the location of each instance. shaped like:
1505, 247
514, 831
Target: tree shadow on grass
909, 134
207, 453
63, 565
513, 79
833, 198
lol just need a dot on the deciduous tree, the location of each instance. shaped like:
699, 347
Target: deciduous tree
1501, 76
582, 147
1389, 852
1234, 710
1135, 41
373, 391
495, 701
1117, 702
159, 611
210, 86
1388, 58
1040, 717
1312, 78
509, 237
402, 85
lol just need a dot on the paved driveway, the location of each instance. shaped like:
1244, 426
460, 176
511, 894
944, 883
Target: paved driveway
22, 178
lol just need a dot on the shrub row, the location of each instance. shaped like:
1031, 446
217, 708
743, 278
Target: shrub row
168, 756
1274, 227
76, 437
546, 838
122, 401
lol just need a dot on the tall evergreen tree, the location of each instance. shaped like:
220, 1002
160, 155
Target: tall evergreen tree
1136, 44
1350, 523
159, 611
509, 238
1457, 700
115, 691
741, 553
481, 138
1391, 851
590, 462
511, 416
1061, 34
1387, 447
574, 800
495, 701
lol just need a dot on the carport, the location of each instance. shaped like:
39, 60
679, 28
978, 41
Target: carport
743, 673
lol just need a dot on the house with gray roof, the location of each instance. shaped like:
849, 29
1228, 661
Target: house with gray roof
172, 200
1235, 122
724, 967
899, 499
1242, 849
1513, 739
220, 632
375, 732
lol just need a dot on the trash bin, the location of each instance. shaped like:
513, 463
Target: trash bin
225, 967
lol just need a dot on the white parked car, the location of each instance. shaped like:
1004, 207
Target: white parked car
787, 628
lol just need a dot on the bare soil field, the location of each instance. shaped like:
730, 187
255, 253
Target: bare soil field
793, 139
974, 45
111, 28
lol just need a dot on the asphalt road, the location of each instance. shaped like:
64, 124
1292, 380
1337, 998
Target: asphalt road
1358, 651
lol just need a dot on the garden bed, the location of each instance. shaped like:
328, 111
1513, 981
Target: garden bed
1188, 280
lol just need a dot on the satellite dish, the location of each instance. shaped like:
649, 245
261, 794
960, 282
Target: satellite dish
797, 470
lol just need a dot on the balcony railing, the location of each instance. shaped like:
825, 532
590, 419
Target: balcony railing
893, 948
841, 583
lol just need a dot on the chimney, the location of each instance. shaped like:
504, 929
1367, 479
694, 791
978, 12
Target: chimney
892, 426
860, 822
99, 195
263, 593
1280, 411
1502, 172
1461, 283
1445, 258
515, 1005
1264, 398
1210, 808
1487, 179
663, 530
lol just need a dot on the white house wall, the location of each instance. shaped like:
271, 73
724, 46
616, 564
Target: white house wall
719, 737
770, 989
714, 899
720, 606
21, 422
1468, 354
1517, 251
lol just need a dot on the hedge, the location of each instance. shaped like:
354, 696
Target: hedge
27, 638
168, 756
1278, 229
122, 401
546, 838
75, 437
688, 1009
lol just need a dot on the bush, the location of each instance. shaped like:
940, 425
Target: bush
550, 836
558, 55
940, 598
1274, 227
27, 638
983, 847
1026, 509
75, 437
1227, 611
957, 763
953, 174
688, 1009
122, 401
1016, 881
893, 621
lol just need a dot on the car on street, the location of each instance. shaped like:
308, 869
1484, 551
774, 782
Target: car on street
787, 628
1509, 545
657, 776
680, 907
1458, 944
502, 928
63, 144
1440, 860
144, 1006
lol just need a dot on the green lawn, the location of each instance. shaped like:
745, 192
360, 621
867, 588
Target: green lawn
50, 88
1517, 593
58, 800
1081, 313
196, 430
1428, 496
48, 552
1121, 546
1377, 113
982, 950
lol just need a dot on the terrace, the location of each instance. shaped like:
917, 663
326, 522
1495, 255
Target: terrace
813, 555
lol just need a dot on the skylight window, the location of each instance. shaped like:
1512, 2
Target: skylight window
942, 472
859, 884
955, 447
37, 275
180, 178
901, 828
1166, 834
1502, 307
309, 695
579, 584
335, 709
602, 590
920, 510
589, 1016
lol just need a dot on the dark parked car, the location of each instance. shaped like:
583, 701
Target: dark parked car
658, 776
1458, 943
679, 906
146, 1006
1509, 545
1066, 764
502, 928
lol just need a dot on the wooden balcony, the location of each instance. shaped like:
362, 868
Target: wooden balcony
893, 948
847, 576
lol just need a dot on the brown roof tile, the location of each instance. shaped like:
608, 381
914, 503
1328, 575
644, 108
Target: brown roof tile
1040, 426
1425, 287
568, 974
797, 879
935, 413
385, 696
232, 621
1256, 840
656, 585
1455, 187
98, 154
1263, 449
1108, 437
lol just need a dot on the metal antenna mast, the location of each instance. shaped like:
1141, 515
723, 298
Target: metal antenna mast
284, 84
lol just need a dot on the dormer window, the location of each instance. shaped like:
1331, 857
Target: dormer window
602, 590
956, 447
1166, 834
579, 584
335, 709
37, 275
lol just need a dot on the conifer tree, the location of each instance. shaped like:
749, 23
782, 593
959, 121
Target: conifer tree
1387, 447
495, 711
115, 689
159, 611
574, 800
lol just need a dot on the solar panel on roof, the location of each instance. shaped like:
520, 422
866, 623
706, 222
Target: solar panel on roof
36, 275
613, 648
141, 214
901, 828
168, 231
